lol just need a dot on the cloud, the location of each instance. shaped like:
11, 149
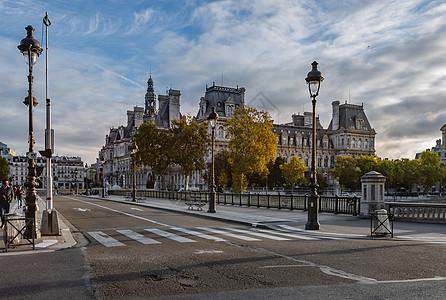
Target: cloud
388, 55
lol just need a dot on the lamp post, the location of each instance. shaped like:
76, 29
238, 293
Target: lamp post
134, 148
103, 177
314, 79
213, 117
30, 48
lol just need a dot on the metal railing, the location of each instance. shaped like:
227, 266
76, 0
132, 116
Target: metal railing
418, 212
331, 204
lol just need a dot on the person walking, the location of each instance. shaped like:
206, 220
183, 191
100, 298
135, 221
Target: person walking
19, 195
6, 196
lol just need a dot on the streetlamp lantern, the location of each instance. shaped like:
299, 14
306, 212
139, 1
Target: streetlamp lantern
30, 48
314, 79
213, 117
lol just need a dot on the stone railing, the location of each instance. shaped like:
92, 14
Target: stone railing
418, 212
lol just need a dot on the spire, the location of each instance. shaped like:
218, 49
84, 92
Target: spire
150, 100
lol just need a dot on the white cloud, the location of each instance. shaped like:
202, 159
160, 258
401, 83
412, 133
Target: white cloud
388, 55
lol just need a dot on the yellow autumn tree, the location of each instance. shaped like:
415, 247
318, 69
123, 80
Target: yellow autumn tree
252, 144
293, 172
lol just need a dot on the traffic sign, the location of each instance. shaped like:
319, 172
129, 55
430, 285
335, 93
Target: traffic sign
31, 155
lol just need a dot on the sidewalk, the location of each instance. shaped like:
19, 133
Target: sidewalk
42, 244
331, 224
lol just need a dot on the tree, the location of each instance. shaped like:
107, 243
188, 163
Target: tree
252, 144
190, 145
346, 172
430, 169
293, 172
154, 149
4, 169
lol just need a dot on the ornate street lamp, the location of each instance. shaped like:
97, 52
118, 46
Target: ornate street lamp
213, 117
30, 48
134, 148
314, 79
103, 176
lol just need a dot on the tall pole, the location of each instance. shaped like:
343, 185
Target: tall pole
313, 216
134, 182
314, 79
213, 117
31, 183
48, 135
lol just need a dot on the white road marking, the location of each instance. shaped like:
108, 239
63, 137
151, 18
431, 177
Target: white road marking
135, 208
267, 236
293, 235
81, 209
325, 235
208, 252
122, 212
138, 237
46, 243
284, 266
169, 235
199, 234
241, 237
105, 239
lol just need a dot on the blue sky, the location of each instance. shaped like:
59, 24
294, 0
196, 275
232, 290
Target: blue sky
388, 55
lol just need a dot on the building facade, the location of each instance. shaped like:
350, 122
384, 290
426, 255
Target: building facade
440, 147
349, 134
67, 171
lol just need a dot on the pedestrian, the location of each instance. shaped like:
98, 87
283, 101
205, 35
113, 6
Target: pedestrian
6, 196
19, 195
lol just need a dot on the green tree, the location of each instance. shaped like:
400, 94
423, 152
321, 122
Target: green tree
223, 169
190, 145
368, 163
252, 144
154, 149
430, 169
4, 169
293, 172
346, 172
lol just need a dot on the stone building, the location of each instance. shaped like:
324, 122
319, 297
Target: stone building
114, 158
67, 171
349, 133
440, 147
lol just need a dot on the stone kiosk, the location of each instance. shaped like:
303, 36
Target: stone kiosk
372, 188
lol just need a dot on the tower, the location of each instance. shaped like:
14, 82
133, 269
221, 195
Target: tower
150, 102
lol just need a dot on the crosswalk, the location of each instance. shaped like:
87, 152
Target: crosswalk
178, 234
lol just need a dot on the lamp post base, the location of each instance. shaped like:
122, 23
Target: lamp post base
211, 208
312, 226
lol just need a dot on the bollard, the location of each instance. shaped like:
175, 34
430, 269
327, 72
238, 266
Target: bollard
381, 222
10, 231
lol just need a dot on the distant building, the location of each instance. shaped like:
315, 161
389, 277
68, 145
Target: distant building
440, 147
68, 171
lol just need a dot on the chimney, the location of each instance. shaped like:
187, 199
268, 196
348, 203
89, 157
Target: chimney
335, 115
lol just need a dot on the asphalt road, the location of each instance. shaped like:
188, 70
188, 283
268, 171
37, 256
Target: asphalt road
139, 252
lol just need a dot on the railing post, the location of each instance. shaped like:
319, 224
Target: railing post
232, 198
355, 206
258, 200
292, 202
241, 197
336, 204
280, 202
267, 206
249, 199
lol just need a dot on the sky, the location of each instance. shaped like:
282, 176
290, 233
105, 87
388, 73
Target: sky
386, 55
